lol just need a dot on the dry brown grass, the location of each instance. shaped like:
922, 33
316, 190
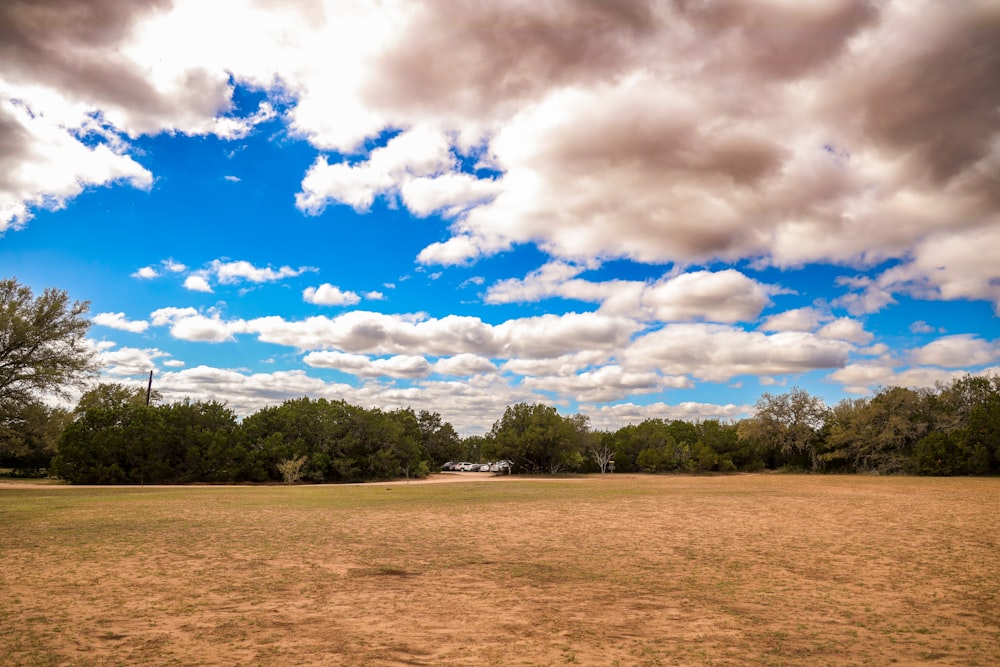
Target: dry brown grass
628, 570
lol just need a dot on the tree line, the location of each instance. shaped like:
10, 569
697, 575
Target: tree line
114, 435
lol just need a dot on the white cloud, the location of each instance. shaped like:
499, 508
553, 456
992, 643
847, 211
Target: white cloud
607, 383
127, 361
146, 273
189, 324
797, 319
419, 152
864, 378
921, 327
197, 283
722, 296
45, 164
450, 193
231, 273
845, 328
399, 366
950, 265
329, 295
381, 334
464, 365
718, 353
959, 351
119, 321
613, 417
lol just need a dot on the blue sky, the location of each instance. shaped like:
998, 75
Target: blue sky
628, 210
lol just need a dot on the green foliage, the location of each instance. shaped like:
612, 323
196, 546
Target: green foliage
538, 439
116, 438
42, 346
28, 436
789, 426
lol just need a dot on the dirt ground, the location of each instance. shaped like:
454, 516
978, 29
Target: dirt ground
626, 570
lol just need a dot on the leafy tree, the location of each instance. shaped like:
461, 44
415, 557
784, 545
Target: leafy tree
632, 440
28, 437
42, 346
438, 438
791, 423
537, 438
878, 435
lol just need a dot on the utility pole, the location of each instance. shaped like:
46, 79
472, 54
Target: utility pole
149, 387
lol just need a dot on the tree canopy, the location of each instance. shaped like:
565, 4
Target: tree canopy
42, 345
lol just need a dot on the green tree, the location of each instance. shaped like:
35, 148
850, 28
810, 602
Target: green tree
790, 423
878, 435
28, 437
537, 438
42, 345
439, 439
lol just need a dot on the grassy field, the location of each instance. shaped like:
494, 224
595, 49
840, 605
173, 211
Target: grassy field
627, 570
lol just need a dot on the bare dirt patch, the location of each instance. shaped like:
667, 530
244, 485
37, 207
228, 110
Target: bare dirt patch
782, 570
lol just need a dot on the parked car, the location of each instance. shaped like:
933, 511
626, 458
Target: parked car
483, 467
450, 465
468, 467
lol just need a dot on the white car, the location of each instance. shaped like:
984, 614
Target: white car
468, 467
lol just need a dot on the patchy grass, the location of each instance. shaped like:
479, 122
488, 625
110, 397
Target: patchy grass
628, 570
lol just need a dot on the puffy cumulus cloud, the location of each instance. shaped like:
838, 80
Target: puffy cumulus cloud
718, 353
562, 365
382, 334
608, 383
960, 351
554, 279
869, 296
226, 272
549, 336
329, 295
845, 328
864, 378
76, 78
464, 365
613, 417
189, 324
44, 164
950, 266
757, 171
231, 273
399, 366
723, 296
797, 319
120, 322
662, 132
127, 361
146, 273
416, 165
921, 327
197, 283
450, 193
720, 296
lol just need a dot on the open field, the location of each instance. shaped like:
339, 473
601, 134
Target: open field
627, 570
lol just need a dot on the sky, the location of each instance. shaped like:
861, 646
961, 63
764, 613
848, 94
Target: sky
628, 210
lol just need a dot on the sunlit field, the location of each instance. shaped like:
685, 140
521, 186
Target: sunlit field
625, 570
